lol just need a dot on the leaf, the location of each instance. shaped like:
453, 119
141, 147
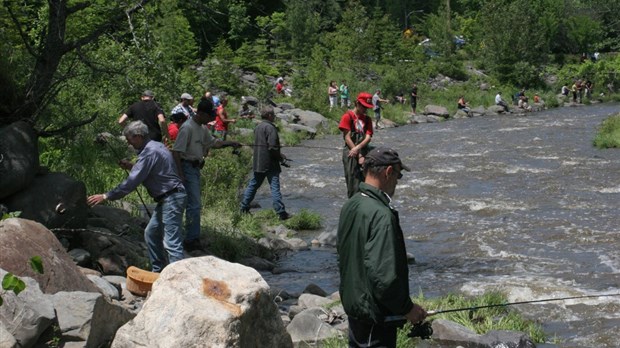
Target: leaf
37, 264
1, 301
12, 283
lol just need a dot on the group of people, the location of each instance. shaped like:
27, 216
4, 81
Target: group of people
171, 176
578, 90
373, 266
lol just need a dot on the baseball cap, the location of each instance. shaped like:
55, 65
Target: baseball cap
187, 96
365, 99
383, 156
148, 93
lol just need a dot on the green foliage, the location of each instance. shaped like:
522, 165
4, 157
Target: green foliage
10, 282
304, 220
608, 134
9, 215
36, 264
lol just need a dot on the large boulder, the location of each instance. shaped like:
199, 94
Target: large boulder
309, 328
308, 118
27, 315
54, 199
19, 157
436, 110
22, 239
206, 302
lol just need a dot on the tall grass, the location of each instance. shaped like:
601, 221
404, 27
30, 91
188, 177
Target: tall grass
608, 134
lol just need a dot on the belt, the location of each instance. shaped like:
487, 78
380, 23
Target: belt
194, 163
163, 196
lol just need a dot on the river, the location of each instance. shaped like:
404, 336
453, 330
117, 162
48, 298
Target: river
521, 204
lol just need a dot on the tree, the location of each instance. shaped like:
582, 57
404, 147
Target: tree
47, 45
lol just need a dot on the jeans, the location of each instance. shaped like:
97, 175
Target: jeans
164, 232
194, 204
274, 182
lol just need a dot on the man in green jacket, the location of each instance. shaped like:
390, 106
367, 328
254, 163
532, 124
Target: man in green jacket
374, 276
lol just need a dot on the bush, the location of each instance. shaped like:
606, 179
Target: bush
608, 134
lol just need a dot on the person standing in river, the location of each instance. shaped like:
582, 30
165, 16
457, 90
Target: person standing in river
356, 128
372, 259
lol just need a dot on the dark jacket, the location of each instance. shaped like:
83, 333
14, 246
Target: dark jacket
374, 276
266, 148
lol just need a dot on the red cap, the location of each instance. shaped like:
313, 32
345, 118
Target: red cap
365, 99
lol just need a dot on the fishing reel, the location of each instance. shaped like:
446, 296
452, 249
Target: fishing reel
423, 329
284, 162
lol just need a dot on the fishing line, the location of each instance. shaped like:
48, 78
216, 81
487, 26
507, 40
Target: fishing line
440, 311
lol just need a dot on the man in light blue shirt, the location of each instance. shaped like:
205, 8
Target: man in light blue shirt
156, 170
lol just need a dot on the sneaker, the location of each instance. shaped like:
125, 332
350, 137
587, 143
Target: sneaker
284, 216
192, 245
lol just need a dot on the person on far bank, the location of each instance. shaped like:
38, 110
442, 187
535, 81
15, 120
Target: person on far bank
463, 105
156, 170
372, 258
332, 93
221, 119
414, 98
357, 131
185, 106
150, 113
266, 164
190, 149
499, 101
344, 95
376, 106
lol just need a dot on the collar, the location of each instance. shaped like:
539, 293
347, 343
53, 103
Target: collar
373, 192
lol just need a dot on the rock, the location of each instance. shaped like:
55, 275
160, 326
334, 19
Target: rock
314, 290
80, 256
328, 238
6, 338
206, 302
27, 315
119, 221
436, 111
434, 119
498, 109
418, 119
485, 86
112, 254
54, 200
19, 157
311, 132
88, 317
22, 239
308, 118
297, 243
250, 100
312, 301
307, 327
275, 244
258, 263
286, 106
108, 290
460, 114
477, 111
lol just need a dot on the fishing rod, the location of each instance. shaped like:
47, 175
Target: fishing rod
424, 329
101, 138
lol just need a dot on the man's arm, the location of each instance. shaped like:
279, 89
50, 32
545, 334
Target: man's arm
164, 127
122, 120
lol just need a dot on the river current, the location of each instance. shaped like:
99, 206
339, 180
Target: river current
521, 204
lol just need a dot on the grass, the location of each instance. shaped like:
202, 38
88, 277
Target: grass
608, 134
481, 321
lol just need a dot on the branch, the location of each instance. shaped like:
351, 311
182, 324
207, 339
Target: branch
21, 31
110, 22
45, 134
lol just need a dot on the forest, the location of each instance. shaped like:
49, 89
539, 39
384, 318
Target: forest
71, 67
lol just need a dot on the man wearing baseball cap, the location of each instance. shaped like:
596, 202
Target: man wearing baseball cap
356, 128
185, 106
372, 258
149, 112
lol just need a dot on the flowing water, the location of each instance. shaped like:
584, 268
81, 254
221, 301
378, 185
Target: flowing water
525, 205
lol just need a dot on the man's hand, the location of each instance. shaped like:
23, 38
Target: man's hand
416, 314
95, 199
125, 164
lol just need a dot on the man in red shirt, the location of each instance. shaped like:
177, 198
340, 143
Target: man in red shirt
356, 128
